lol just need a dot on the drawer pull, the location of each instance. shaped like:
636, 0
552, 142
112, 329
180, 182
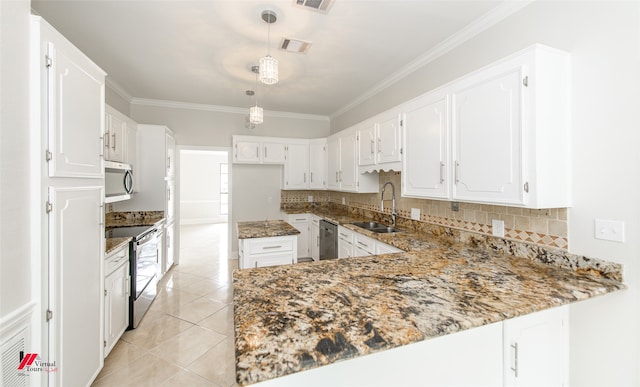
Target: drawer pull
344, 235
271, 247
363, 244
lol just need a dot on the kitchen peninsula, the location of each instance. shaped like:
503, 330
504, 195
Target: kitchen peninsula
295, 318
267, 243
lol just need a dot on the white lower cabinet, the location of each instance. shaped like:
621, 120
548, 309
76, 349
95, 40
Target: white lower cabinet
169, 257
260, 252
364, 246
315, 237
345, 243
116, 297
383, 248
536, 349
301, 223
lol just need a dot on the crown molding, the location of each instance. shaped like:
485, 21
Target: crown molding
113, 85
222, 109
481, 24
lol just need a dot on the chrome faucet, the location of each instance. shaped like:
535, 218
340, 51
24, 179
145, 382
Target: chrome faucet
393, 201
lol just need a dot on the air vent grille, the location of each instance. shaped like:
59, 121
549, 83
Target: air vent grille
11, 349
322, 6
295, 45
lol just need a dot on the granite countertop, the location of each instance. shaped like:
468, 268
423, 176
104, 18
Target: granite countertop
285, 322
115, 243
133, 218
265, 229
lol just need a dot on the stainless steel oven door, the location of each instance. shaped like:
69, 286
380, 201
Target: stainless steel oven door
145, 276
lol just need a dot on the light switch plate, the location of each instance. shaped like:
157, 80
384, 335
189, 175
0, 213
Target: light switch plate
415, 213
609, 230
497, 227
310, 198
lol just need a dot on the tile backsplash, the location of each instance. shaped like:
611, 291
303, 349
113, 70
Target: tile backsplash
546, 227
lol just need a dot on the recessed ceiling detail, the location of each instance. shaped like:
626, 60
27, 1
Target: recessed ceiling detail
296, 46
321, 6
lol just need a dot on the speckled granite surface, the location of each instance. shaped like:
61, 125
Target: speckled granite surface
297, 317
265, 229
132, 218
115, 243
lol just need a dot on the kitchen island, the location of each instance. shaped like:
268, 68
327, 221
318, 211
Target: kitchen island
267, 243
299, 317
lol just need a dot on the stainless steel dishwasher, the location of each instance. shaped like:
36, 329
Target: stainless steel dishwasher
328, 240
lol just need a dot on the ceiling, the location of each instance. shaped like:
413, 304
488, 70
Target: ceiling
201, 51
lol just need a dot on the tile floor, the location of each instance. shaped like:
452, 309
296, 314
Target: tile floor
186, 337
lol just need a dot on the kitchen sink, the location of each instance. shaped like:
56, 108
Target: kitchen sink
376, 227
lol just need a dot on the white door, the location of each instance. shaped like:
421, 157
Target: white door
75, 283
116, 305
487, 130
536, 349
367, 144
388, 141
247, 152
302, 225
76, 114
315, 241
273, 153
115, 138
425, 171
297, 166
171, 155
333, 162
318, 165
348, 162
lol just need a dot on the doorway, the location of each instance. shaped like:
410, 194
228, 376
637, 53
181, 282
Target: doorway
204, 197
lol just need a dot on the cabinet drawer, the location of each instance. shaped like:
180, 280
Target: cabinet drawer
115, 259
346, 234
273, 259
268, 245
365, 243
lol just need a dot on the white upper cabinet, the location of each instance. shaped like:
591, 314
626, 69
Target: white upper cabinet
170, 151
348, 162
115, 137
273, 152
296, 166
379, 143
488, 133
258, 150
509, 127
318, 164
367, 143
72, 106
425, 171
333, 162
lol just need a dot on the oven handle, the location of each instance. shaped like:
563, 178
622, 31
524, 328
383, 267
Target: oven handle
148, 235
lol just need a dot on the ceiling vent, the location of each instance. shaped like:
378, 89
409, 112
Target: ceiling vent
294, 45
321, 6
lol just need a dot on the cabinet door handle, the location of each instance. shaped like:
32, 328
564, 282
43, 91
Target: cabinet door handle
379, 145
318, 241
168, 194
457, 172
265, 152
340, 175
441, 172
106, 140
514, 368
113, 146
363, 244
305, 177
371, 146
271, 247
311, 177
336, 176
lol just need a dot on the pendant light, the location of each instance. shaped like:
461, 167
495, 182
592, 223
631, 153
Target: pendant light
256, 114
269, 64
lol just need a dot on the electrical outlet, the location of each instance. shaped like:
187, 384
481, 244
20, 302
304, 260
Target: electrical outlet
609, 230
310, 198
497, 227
344, 202
415, 213
455, 206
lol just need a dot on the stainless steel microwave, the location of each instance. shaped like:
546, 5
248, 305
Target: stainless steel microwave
118, 181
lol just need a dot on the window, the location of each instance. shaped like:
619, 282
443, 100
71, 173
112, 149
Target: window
224, 189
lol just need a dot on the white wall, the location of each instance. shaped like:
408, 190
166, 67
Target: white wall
200, 186
604, 40
15, 240
255, 189
113, 99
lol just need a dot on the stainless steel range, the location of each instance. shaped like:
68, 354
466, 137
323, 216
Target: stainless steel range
144, 264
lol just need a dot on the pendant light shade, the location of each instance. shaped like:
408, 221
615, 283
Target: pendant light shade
269, 64
268, 70
256, 115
